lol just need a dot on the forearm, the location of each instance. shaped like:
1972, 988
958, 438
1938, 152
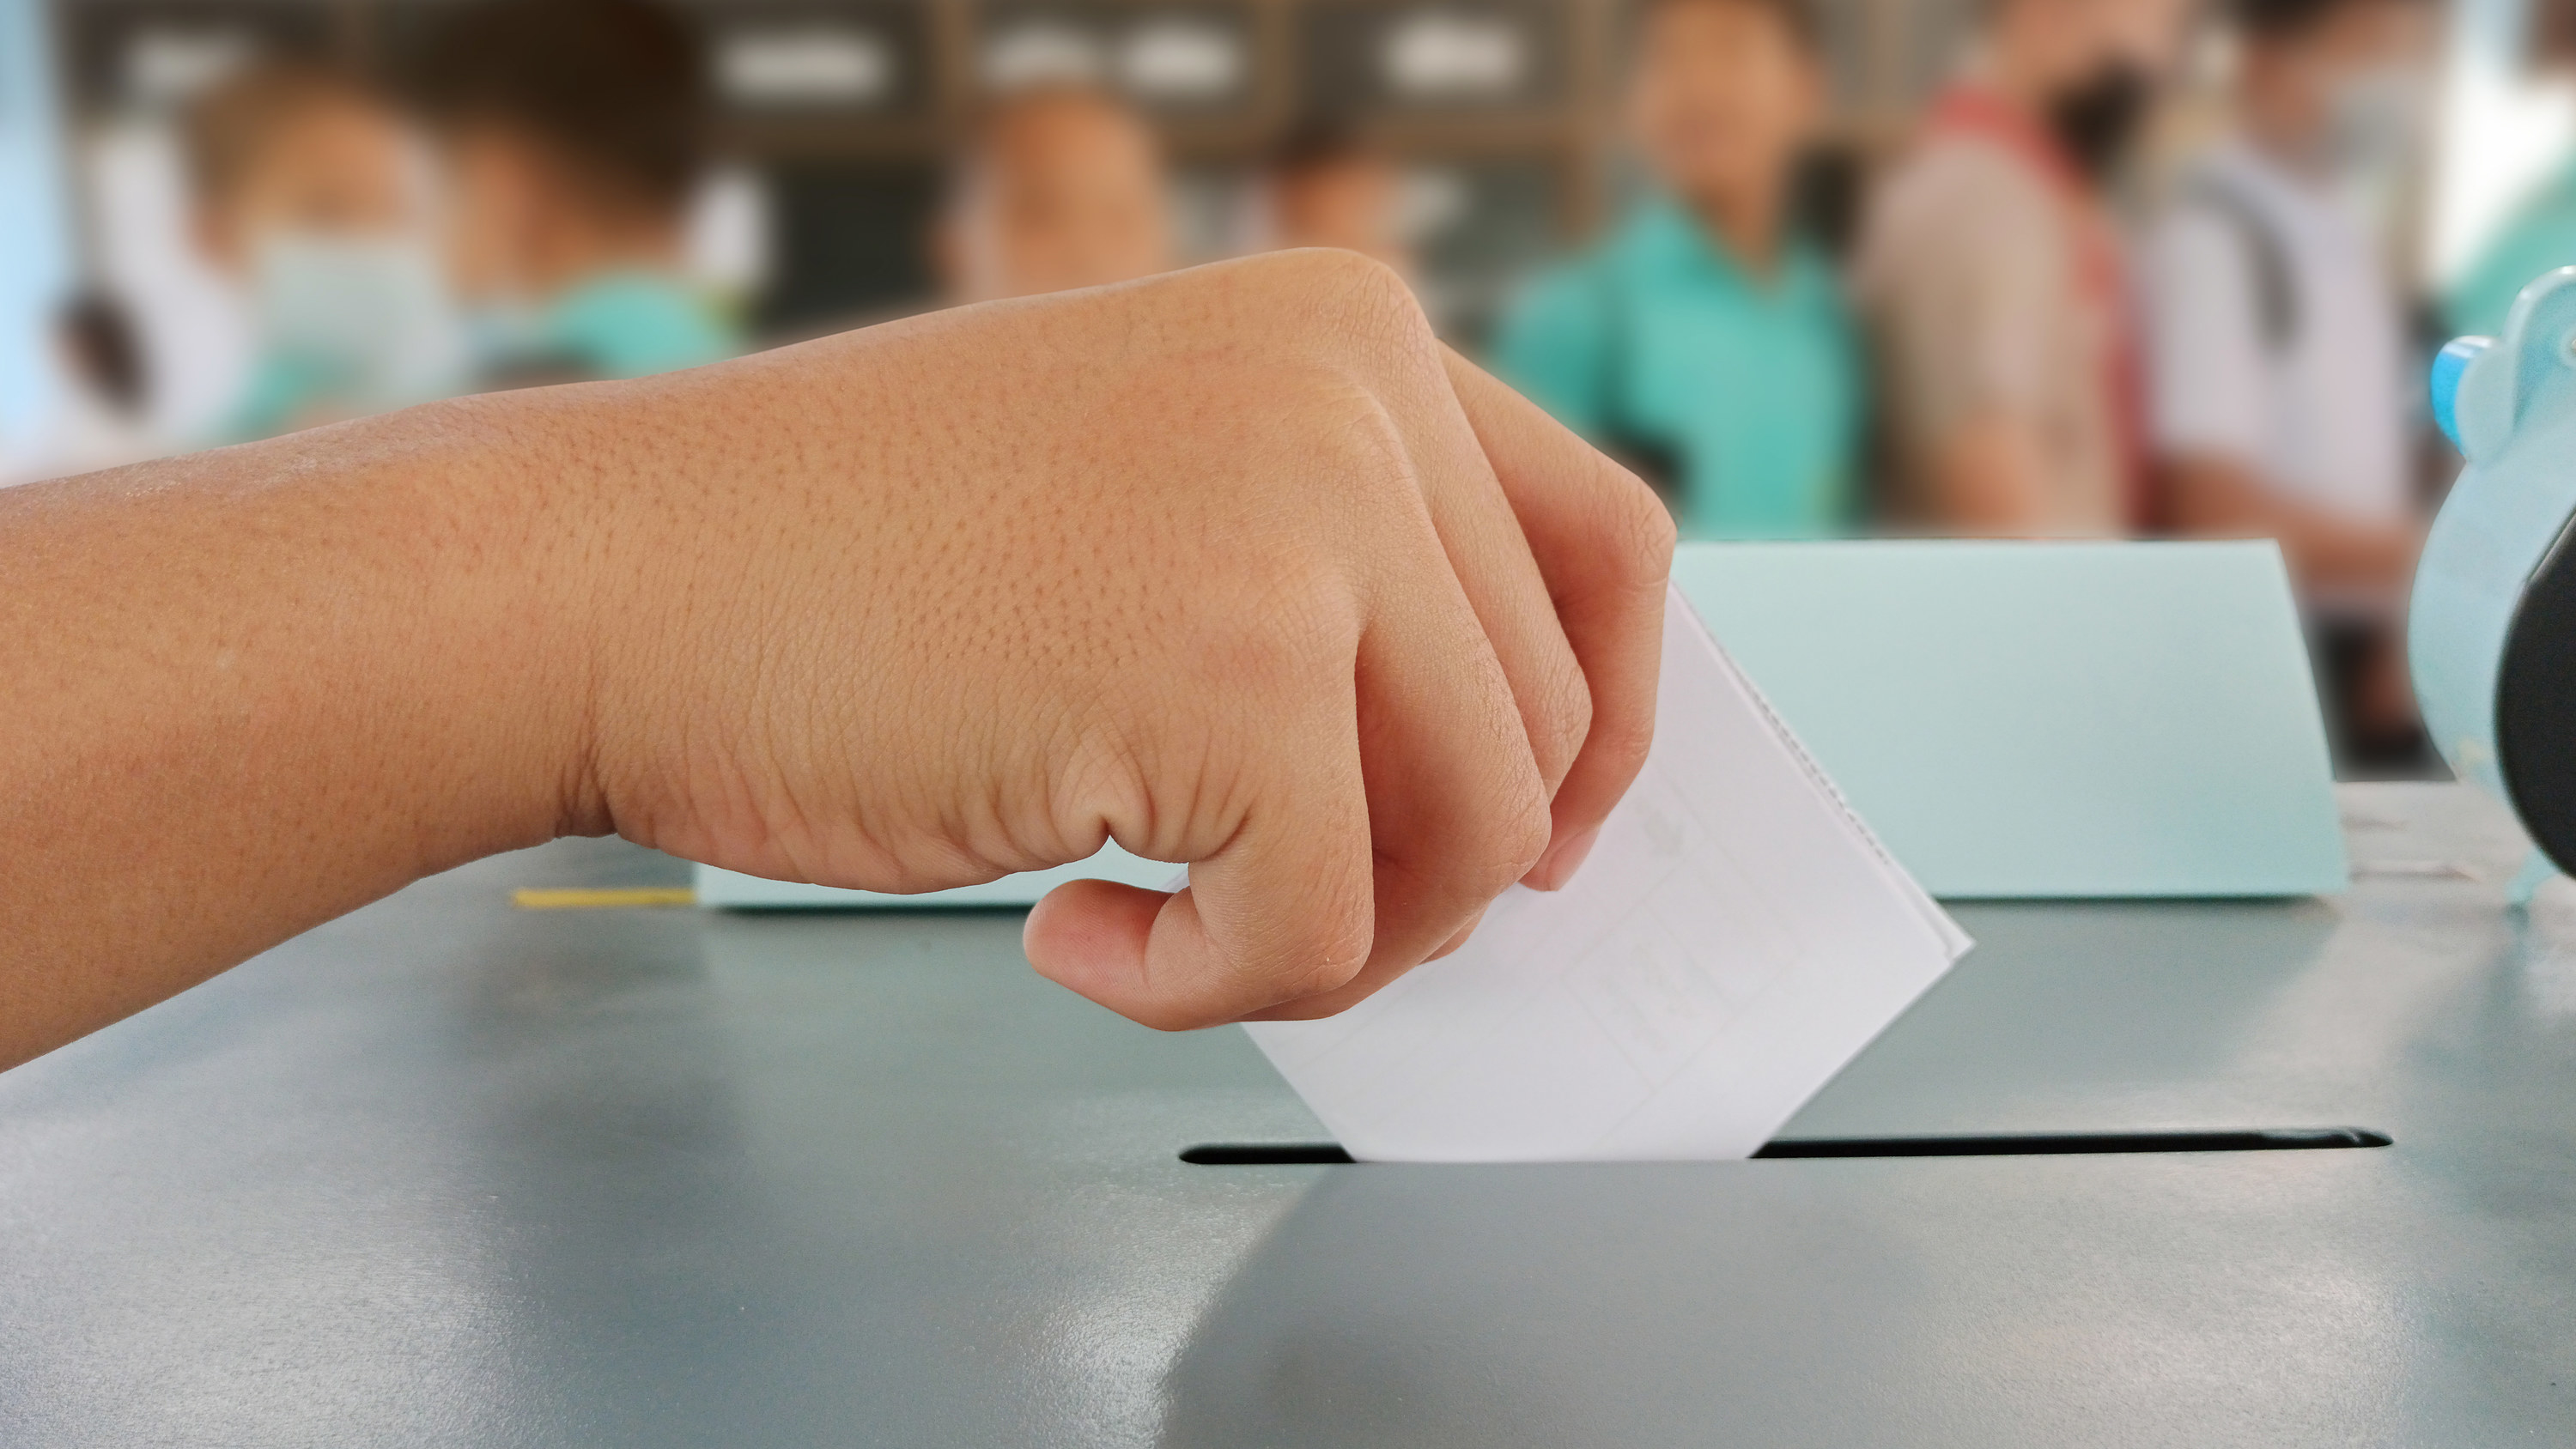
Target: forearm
253, 689
1987, 481
2213, 497
1234, 566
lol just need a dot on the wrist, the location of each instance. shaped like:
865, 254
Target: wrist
480, 518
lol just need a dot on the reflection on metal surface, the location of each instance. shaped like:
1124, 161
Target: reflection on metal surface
1864, 1303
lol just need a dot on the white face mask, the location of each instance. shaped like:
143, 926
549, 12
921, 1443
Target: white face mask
372, 312
2374, 116
503, 334
2375, 120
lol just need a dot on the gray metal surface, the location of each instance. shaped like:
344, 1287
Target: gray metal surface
449, 1173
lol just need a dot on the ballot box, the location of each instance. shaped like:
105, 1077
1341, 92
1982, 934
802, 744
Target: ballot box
448, 1171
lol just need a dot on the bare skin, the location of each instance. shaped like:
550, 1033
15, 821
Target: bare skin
1722, 99
1236, 566
1351, 202
1064, 189
340, 170
2285, 84
2212, 496
1989, 479
528, 223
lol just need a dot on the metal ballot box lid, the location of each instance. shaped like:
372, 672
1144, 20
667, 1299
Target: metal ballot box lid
448, 1172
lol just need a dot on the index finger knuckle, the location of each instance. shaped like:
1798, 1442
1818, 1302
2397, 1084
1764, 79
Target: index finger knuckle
1637, 531
1563, 708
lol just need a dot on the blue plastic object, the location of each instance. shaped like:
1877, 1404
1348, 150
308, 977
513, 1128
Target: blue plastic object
2510, 405
2449, 366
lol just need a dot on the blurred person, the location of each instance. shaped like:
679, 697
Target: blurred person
1705, 343
2280, 387
1325, 187
572, 134
1993, 280
308, 193
101, 420
1060, 187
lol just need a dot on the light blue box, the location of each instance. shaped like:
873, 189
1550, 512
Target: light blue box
2046, 719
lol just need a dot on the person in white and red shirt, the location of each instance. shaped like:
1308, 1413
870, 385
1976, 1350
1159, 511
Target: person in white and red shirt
1994, 285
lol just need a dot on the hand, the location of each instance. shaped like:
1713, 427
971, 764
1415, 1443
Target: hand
1237, 567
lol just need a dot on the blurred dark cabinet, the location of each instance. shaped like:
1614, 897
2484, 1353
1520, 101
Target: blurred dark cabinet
850, 241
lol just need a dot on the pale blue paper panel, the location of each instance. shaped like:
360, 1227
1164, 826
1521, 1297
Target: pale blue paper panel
2046, 719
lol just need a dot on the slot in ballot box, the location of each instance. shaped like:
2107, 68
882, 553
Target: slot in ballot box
2014, 720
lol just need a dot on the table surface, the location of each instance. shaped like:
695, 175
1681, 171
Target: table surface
445, 1172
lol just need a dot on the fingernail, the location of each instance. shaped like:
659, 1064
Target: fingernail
1563, 861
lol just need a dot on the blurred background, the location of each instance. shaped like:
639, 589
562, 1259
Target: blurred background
1816, 268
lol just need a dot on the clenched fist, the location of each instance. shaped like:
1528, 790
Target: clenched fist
1238, 567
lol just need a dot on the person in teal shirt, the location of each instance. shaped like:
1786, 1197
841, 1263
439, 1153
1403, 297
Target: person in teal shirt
571, 133
303, 195
633, 323
2541, 237
1703, 340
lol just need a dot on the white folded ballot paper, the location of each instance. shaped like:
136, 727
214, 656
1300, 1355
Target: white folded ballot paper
1736, 937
